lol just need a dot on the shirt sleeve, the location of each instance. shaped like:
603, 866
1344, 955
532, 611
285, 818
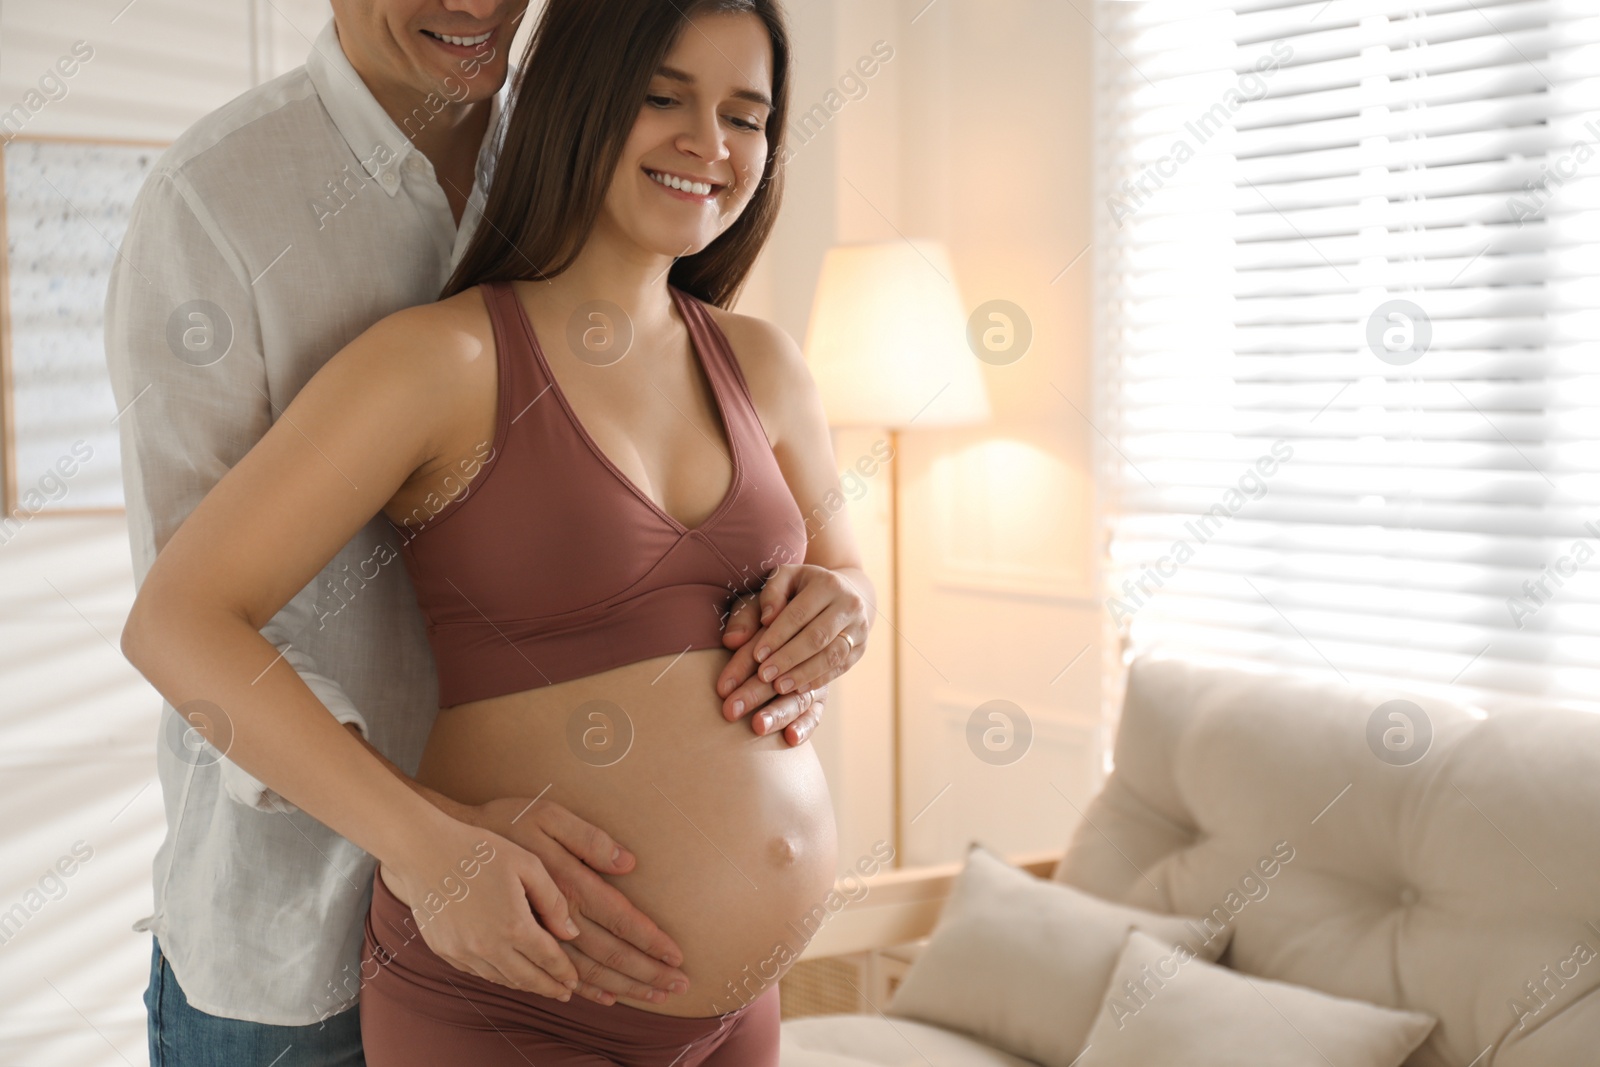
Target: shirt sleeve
184, 353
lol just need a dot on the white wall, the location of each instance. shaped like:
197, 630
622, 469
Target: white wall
995, 521
975, 133
78, 725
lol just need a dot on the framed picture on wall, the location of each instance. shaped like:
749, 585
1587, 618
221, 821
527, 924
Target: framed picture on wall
66, 208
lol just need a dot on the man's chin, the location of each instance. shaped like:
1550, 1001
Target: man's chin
447, 75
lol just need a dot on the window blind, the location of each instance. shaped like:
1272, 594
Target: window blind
1348, 330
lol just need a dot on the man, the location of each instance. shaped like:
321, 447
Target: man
272, 233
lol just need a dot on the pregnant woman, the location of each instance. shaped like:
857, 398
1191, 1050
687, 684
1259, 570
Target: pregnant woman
587, 460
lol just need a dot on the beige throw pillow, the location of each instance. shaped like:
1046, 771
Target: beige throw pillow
1022, 963
1165, 1006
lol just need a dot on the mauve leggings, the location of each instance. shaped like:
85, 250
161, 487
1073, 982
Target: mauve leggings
419, 1011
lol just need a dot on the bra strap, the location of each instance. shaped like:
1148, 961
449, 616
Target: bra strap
709, 338
518, 370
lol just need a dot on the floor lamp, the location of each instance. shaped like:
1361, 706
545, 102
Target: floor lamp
887, 346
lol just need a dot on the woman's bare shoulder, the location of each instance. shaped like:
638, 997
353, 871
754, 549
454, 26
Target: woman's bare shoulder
430, 366
769, 358
775, 369
445, 336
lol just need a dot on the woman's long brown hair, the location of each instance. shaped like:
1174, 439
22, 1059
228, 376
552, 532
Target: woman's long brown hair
579, 90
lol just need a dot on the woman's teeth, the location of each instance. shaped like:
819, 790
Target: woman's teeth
697, 188
466, 42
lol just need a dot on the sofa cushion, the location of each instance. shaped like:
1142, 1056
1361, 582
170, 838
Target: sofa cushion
880, 1041
1165, 1006
1021, 962
1426, 856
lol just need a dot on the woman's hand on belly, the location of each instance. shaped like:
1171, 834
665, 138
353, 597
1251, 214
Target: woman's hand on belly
812, 627
641, 961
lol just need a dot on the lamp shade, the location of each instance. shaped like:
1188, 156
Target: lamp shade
887, 342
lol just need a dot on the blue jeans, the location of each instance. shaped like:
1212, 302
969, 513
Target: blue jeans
181, 1036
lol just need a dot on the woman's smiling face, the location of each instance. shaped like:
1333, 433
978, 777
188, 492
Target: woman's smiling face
698, 149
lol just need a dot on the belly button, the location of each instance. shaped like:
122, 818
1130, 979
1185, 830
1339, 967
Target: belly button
786, 849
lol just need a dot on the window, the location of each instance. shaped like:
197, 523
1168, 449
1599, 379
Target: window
1348, 288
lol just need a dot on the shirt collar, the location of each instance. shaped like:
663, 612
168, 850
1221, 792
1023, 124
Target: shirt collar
377, 142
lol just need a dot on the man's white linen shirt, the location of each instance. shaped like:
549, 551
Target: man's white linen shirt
276, 229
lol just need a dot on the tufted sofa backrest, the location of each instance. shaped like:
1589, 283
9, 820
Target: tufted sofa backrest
1418, 855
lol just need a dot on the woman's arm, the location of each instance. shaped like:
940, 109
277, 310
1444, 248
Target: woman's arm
803, 608
374, 415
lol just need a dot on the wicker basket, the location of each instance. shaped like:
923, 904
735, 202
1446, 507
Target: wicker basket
832, 985
829, 986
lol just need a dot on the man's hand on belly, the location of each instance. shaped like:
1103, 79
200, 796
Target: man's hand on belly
619, 951
614, 937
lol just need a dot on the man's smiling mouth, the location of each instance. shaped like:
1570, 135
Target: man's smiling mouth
460, 42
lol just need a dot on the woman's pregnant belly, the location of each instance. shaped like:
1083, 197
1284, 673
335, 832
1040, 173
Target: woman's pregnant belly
733, 832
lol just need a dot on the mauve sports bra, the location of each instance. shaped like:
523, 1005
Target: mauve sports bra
552, 564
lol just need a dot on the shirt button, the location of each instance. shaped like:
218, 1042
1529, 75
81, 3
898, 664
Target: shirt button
415, 164
390, 180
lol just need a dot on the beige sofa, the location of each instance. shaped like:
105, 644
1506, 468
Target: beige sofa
1446, 862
